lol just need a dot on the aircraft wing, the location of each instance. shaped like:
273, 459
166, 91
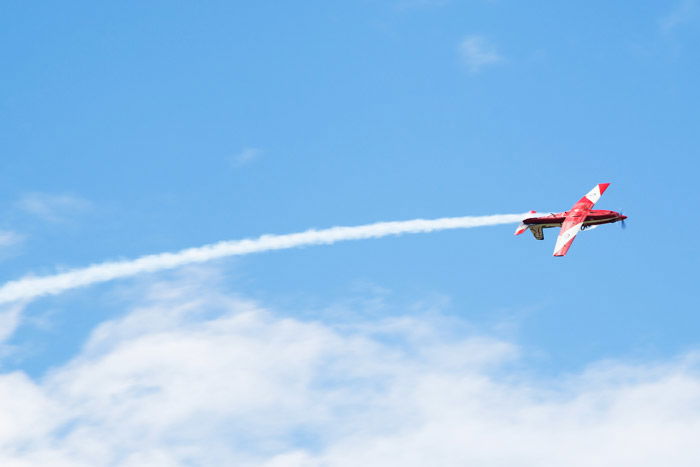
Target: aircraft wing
574, 220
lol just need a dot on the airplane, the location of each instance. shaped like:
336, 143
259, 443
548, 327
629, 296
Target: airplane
580, 217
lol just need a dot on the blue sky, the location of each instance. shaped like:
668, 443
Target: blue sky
132, 129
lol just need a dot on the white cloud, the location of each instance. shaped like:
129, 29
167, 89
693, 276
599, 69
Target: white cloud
52, 207
684, 12
477, 53
193, 377
246, 156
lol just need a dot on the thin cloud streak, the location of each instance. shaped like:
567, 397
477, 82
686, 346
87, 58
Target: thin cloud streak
52, 207
685, 12
8, 238
30, 287
246, 156
478, 53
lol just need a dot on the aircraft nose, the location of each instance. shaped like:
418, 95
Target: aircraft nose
622, 217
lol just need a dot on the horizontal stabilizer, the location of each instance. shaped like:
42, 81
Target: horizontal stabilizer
523, 227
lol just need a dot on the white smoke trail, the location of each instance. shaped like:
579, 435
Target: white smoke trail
32, 287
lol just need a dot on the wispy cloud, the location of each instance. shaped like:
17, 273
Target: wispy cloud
190, 375
10, 316
246, 156
8, 238
684, 12
32, 287
477, 53
52, 207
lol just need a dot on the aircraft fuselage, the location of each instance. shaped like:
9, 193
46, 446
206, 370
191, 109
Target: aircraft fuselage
594, 217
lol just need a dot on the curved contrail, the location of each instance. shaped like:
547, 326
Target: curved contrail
31, 287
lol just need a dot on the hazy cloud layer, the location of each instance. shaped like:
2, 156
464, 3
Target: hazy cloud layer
191, 376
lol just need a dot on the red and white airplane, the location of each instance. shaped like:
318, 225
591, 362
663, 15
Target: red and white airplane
579, 218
